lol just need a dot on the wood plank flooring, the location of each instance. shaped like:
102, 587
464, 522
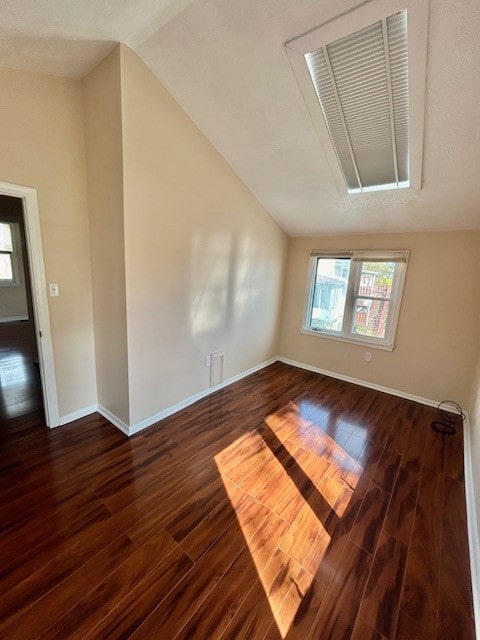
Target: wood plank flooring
20, 389
288, 505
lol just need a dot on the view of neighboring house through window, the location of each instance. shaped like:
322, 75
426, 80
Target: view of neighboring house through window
6, 254
373, 300
329, 294
355, 296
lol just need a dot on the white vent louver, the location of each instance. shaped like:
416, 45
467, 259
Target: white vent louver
361, 82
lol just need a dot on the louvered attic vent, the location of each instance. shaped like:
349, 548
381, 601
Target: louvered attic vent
370, 94
362, 84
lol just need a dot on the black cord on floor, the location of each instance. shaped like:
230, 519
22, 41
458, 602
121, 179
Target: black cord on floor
450, 415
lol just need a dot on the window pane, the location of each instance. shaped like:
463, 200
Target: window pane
329, 295
376, 279
370, 317
5, 237
6, 272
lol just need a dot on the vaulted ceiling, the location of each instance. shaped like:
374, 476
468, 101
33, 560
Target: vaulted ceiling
225, 63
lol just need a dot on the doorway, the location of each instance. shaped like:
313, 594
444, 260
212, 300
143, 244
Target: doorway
27, 375
20, 384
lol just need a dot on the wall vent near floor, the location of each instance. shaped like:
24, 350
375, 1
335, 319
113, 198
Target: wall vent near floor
216, 368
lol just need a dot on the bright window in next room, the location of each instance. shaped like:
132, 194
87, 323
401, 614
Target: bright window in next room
7, 266
355, 296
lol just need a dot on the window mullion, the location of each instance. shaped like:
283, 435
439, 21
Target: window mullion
394, 303
350, 301
312, 280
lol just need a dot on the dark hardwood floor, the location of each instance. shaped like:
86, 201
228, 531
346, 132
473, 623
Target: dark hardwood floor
288, 505
20, 389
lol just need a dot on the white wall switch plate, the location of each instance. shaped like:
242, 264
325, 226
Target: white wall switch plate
53, 289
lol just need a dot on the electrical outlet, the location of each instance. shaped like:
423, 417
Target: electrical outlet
368, 356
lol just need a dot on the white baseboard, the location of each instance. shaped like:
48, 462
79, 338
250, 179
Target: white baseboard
76, 415
111, 417
144, 424
472, 523
361, 383
14, 319
148, 422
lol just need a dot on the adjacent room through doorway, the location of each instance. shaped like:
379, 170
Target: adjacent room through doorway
20, 384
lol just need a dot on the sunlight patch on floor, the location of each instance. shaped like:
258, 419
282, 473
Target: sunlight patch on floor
285, 503
16, 374
13, 370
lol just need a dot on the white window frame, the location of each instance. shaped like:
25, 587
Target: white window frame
386, 343
15, 280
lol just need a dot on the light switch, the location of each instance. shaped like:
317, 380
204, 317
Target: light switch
53, 289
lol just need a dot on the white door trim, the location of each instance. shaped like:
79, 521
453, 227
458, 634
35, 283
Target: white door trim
39, 297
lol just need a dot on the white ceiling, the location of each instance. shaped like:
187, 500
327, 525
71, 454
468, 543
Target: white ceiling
225, 63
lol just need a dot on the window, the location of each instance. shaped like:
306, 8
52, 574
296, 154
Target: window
362, 76
355, 296
7, 261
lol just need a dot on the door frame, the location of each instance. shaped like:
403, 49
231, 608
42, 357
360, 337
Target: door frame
38, 283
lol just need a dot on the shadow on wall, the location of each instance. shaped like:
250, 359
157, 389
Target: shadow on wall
226, 276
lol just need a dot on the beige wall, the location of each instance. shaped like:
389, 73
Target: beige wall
42, 146
204, 260
437, 339
13, 299
103, 134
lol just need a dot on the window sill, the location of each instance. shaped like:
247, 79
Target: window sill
359, 341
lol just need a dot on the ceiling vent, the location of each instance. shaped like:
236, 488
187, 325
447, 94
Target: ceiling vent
365, 91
